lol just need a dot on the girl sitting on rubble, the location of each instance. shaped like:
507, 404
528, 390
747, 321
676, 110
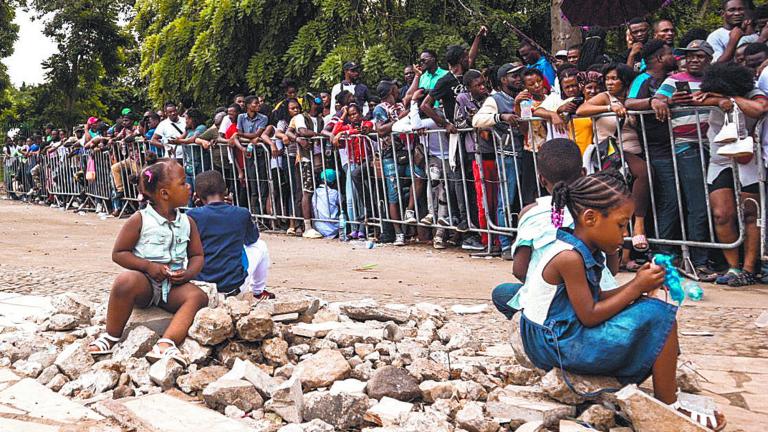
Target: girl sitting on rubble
161, 250
569, 323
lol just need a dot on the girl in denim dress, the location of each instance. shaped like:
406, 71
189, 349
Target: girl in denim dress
569, 323
161, 250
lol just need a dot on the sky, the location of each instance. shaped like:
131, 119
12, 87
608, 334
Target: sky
30, 50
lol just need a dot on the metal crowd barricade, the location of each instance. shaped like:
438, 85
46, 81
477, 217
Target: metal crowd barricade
64, 185
129, 157
18, 178
99, 190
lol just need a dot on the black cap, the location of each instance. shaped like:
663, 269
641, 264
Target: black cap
509, 68
350, 65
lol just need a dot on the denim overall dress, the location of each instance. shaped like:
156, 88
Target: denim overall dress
625, 346
164, 242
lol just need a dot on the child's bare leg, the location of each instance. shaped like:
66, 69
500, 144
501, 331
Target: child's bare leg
129, 288
183, 301
665, 369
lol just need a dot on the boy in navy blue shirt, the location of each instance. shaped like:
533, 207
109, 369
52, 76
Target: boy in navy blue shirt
235, 259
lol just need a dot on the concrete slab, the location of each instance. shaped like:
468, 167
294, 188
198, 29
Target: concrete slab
11, 425
163, 413
7, 375
154, 318
14, 311
40, 402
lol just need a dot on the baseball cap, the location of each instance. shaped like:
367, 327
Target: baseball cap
350, 65
328, 176
562, 53
125, 111
93, 120
509, 68
699, 45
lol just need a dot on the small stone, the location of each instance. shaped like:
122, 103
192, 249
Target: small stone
387, 412
212, 326
284, 372
255, 326
196, 381
362, 372
649, 414
285, 318
164, 372
350, 385
424, 369
233, 350
431, 421
245, 370
275, 351
322, 369
364, 311
138, 370
240, 393
363, 349
432, 390
295, 304
395, 383
518, 375
123, 392
57, 382
137, 344
472, 419
349, 336
287, 401
72, 304
315, 330
232, 411
28, 368
194, 352
392, 332
47, 375
688, 379
344, 410
315, 425
63, 322
599, 417
296, 351
556, 387
75, 359
99, 380
236, 308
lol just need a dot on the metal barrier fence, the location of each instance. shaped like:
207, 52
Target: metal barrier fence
476, 181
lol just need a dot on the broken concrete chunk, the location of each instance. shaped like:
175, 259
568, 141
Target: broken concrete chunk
393, 382
295, 304
468, 309
287, 401
315, 425
651, 415
63, 322
236, 308
315, 330
255, 326
363, 312
387, 412
556, 387
212, 326
472, 419
275, 351
322, 369
240, 393
72, 304
75, 359
194, 352
350, 385
164, 372
433, 390
600, 417
138, 343
246, 370
344, 410
196, 381
507, 409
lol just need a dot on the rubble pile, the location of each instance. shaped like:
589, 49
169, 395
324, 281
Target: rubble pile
298, 364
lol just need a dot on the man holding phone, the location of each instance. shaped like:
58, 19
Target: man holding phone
676, 91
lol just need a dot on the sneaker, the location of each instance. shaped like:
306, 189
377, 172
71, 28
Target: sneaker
724, 279
399, 240
506, 255
428, 219
353, 235
741, 148
410, 217
744, 278
264, 295
472, 243
437, 243
444, 221
462, 227
312, 234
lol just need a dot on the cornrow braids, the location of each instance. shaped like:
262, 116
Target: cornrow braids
600, 191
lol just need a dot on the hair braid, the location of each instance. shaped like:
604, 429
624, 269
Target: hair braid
601, 191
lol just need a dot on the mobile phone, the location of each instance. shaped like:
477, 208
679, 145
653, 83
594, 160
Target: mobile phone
578, 100
683, 86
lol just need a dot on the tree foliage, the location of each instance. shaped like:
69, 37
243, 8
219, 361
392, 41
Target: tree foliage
9, 32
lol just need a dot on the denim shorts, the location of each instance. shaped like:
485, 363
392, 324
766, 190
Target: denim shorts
392, 171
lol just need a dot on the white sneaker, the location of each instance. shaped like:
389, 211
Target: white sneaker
399, 240
410, 217
427, 220
312, 234
741, 148
438, 243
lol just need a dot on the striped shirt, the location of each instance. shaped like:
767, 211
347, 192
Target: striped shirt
684, 127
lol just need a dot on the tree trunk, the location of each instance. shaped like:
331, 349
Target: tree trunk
563, 35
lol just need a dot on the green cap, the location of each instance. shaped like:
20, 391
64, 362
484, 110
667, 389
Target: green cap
125, 111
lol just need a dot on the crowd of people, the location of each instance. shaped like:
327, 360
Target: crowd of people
448, 155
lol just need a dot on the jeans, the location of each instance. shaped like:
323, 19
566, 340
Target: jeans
506, 197
693, 193
502, 294
355, 209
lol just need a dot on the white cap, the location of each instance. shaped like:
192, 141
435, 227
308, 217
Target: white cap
561, 53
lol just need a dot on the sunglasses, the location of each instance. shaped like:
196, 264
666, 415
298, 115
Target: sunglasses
424, 60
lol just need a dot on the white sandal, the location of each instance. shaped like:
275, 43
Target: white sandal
707, 418
172, 351
105, 344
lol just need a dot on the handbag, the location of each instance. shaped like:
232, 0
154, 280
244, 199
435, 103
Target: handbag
90, 170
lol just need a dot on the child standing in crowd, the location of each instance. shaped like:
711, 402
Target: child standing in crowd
569, 323
229, 237
154, 245
558, 160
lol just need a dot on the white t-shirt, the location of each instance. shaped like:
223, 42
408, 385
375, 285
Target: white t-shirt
300, 122
168, 130
719, 40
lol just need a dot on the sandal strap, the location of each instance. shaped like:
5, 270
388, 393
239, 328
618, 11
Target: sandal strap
166, 341
104, 342
703, 419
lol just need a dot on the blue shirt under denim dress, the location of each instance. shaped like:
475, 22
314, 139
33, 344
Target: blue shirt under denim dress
625, 346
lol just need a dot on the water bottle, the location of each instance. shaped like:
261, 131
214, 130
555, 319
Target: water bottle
693, 290
249, 150
342, 227
526, 109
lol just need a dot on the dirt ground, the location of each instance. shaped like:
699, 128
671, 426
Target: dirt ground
47, 250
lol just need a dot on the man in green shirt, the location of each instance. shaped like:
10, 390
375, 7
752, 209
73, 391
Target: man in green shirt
432, 73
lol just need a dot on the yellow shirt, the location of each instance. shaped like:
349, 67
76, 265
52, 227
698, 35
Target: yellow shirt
582, 133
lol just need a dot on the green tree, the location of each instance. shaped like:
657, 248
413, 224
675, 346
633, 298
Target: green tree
9, 32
